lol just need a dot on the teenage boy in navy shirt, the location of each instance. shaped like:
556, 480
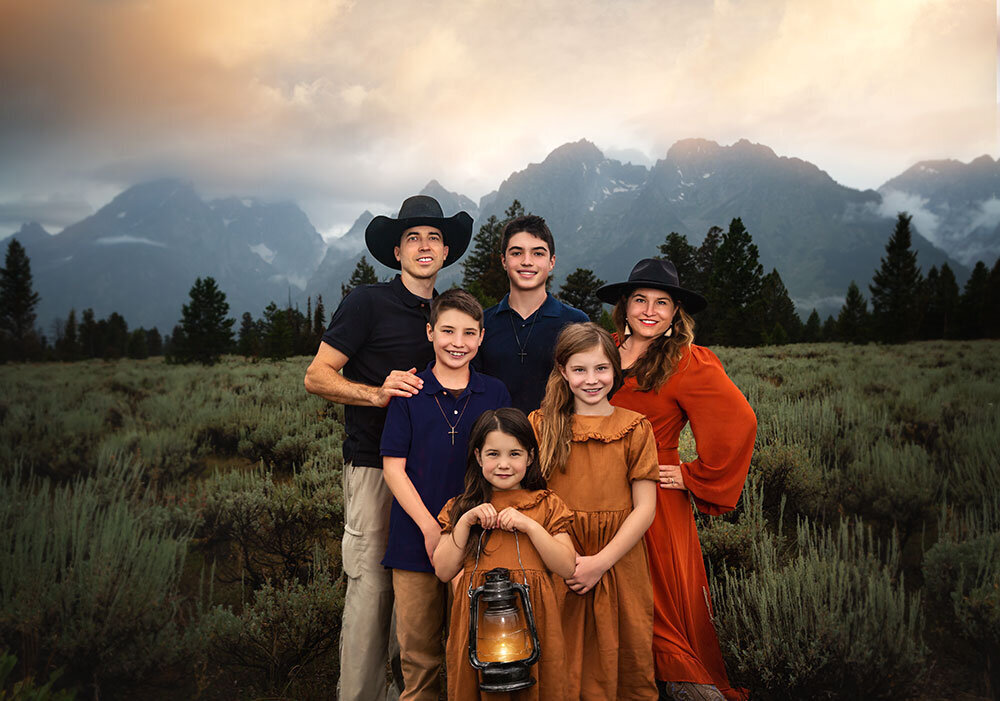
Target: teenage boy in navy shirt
378, 338
521, 330
424, 445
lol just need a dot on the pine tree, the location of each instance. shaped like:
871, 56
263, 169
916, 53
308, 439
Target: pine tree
735, 288
174, 345
68, 347
939, 299
705, 260
930, 317
115, 337
684, 256
973, 310
813, 330
896, 287
704, 264
993, 301
579, 291
277, 337
853, 322
319, 319
482, 272
208, 333
138, 347
308, 330
830, 330
779, 311
301, 326
249, 344
155, 342
364, 274
89, 340
17, 305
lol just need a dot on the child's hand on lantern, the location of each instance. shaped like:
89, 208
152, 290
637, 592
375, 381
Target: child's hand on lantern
589, 570
510, 518
484, 514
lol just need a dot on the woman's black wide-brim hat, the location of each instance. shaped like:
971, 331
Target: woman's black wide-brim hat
382, 234
658, 274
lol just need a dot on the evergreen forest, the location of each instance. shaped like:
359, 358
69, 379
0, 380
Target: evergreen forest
171, 507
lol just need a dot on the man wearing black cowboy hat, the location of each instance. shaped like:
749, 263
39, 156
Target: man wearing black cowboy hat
378, 338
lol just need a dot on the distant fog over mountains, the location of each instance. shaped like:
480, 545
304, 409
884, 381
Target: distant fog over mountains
140, 254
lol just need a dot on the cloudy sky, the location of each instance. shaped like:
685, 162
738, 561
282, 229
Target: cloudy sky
343, 106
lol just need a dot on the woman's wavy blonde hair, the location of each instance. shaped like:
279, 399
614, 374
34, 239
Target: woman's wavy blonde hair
556, 413
660, 360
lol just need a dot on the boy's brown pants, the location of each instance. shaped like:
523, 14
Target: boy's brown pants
421, 605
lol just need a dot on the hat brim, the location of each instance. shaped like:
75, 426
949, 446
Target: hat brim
382, 236
691, 301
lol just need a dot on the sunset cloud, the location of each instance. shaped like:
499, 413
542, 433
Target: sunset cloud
341, 105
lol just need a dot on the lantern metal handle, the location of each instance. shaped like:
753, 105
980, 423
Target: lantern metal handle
479, 549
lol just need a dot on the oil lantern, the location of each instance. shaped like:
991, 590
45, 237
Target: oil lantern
503, 640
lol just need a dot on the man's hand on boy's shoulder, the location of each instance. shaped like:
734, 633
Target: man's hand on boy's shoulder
399, 383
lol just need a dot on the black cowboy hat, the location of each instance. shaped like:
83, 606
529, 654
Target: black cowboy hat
383, 233
658, 274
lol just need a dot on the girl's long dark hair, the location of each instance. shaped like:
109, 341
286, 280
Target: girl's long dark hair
514, 423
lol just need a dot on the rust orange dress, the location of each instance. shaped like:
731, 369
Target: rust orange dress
500, 550
685, 646
609, 629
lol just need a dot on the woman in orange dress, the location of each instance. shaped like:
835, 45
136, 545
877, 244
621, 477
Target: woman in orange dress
672, 382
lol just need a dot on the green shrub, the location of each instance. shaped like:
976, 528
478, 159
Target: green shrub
56, 419
274, 526
831, 622
727, 541
791, 474
962, 576
85, 583
26, 690
898, 485
286, 638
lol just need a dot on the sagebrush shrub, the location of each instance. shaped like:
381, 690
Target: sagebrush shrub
286, 637
831, 622
85, 582
274, 526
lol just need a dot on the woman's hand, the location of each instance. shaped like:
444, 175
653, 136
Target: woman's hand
510, 518
589, 570
484, 514
671, 477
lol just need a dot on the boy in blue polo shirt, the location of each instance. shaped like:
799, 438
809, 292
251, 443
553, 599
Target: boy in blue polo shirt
521, 330
423, 451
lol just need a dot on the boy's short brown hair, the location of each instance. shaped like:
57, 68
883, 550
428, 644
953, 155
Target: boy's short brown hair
456, 299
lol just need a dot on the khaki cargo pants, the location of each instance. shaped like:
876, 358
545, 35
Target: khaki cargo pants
365, 641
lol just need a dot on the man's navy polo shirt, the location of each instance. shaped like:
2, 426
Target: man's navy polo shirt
380, 328
415, 429
498, 355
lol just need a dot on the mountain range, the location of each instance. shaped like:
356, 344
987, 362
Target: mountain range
139, 254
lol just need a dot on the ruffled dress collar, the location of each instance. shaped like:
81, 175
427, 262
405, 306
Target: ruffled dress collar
520, 499
606, 429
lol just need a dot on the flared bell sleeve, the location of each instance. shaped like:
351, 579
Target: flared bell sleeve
724, 427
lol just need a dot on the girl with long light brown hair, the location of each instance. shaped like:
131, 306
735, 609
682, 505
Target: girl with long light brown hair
601, 460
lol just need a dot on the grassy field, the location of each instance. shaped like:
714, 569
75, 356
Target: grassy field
174, 530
